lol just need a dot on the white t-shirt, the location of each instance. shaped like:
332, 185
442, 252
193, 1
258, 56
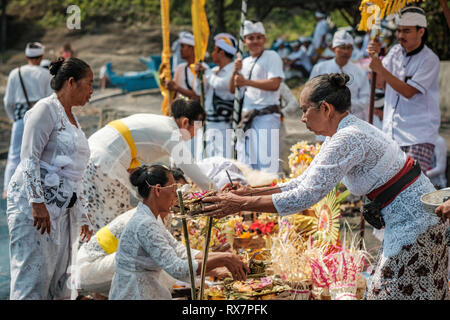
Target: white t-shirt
268, 66
180, 77
415, 120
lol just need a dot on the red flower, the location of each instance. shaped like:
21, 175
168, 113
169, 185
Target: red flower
263, 228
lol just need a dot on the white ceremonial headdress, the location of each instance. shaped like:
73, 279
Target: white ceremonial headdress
342, 37
187, 38
412, 16
319, 14
226, 42
35, 52
250, 27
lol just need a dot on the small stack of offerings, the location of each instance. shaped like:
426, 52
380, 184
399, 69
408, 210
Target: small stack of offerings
258, 261
193, 205
251, 289
290, 260
337, 270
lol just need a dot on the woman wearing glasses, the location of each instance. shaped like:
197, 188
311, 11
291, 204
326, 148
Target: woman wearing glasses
412, 262
146, 247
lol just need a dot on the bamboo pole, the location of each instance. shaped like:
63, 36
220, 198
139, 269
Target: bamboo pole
205, 257
375, 33
188, 246
237, 98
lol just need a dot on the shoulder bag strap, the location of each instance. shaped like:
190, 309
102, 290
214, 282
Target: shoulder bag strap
186, 77
249, 78
23, 88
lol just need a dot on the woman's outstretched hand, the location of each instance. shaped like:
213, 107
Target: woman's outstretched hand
224, 204
235, 265
238, 189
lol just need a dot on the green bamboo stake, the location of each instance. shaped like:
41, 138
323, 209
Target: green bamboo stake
205, 257
188, 246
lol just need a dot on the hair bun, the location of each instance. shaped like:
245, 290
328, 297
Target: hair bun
56, 65
339, 79
138, 176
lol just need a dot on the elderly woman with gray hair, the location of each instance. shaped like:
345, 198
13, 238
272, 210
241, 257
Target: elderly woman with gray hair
412, 262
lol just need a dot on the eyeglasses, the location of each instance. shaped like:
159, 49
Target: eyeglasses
176, 185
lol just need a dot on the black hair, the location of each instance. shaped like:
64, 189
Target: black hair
425, 34
178, 174
63, 69
331, 88
191, 109
146, 176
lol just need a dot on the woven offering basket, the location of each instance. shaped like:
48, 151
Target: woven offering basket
300, 290
343, 291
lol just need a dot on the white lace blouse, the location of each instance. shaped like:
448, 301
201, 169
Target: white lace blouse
363, 158
145, 248
54, 156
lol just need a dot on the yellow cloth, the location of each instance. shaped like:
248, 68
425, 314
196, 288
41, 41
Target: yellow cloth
107, 240
200, 28
370, 9
164, 73
120, 126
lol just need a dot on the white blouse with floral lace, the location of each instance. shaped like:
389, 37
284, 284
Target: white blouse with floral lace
54, 156
363, 158
146, 248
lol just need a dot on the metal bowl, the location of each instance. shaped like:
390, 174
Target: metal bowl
432, 200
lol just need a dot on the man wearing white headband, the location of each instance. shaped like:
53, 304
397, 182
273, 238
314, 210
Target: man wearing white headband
359, 86
176, 54
185, 77
410, 74
218, 98
259, 77
20, 98
320, 31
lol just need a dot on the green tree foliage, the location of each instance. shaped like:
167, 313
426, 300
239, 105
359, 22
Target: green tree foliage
286, 18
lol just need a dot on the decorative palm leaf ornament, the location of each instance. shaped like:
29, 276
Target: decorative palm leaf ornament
372, 9
325, 226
